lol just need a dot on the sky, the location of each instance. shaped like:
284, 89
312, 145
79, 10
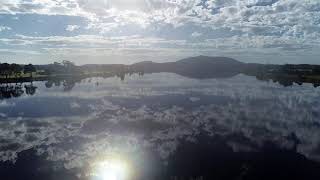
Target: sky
128, 31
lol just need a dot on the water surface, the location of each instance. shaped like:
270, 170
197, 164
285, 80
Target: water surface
159, 126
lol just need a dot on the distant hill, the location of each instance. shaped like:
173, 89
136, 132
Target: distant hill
196, 67
210, 60
199, 67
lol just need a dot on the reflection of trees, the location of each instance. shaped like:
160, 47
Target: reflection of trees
30, 89
67, 83
121, 75
57, 83
286, 79
286, 82
49, 84
10, 91
316, 84
16, 90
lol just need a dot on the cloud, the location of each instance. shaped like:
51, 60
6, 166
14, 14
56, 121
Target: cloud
72, 27
92, 41
5, 28
137, 47
17, 51
194, 99
257, 27
4, 103
233, 14
196, 34
74, 105
3, 115
45, 7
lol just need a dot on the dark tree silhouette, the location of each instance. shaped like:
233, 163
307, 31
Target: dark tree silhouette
29, 69
16, 69
5, 70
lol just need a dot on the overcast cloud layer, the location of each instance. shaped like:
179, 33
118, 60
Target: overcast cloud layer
127, 31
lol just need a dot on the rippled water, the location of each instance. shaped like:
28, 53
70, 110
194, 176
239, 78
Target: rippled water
161, 126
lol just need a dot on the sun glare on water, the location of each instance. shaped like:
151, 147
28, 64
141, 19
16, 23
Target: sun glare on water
110, 169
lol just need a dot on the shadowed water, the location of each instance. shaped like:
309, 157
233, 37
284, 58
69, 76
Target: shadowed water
163, 126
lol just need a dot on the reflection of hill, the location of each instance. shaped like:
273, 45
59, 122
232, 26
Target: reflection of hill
201, 67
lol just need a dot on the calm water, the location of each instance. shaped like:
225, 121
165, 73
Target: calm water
160, 126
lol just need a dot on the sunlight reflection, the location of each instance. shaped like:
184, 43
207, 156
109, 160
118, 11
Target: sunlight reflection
110, 169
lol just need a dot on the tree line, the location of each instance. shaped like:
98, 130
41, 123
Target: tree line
7, 70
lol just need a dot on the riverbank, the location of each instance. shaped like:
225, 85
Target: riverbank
34, 78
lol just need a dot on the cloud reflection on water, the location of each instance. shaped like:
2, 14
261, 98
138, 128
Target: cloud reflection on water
159, 111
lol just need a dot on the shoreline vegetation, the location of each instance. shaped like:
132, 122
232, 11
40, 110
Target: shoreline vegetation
200, 67
14, 73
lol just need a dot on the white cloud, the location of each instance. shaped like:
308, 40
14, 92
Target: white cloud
270, 25
74, 105
4, 103
196, 34
72, 27
136, 48
194, 99
233, 14
4, 28
21, 51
